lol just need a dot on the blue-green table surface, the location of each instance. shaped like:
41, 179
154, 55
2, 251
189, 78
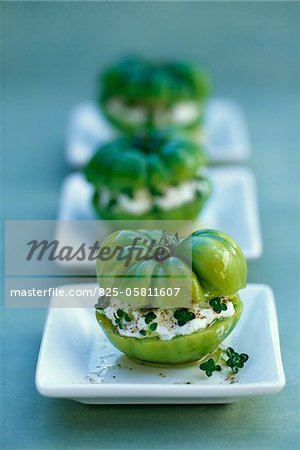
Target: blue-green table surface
51, 53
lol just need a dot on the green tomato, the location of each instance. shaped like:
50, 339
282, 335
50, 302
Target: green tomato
156, 160
143, 266
180, 349
151, 90
151, 163
217, 260
211, 262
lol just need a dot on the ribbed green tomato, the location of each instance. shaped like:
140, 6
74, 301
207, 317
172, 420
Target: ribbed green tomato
136, 93
150, 164
157, 270
217, 260
211, 261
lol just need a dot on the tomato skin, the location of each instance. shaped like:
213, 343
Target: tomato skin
148, 165
154, 86
123, 270
155, 160
217, 261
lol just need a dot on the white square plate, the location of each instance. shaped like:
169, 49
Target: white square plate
226, 135
232, 208
76, 360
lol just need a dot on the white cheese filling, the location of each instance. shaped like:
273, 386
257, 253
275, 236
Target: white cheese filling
134, 115
167, 325
185, 112
143, 201
182, 113
175, 196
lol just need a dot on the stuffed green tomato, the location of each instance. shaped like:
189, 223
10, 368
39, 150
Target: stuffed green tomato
136, 94
166, 335
152, 176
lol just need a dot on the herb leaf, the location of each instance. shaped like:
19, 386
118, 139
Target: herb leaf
118, 321
120, 316
235, 360
153, 326
217, 305
149, 317
183, 315
127, 317
120, 313
209, 367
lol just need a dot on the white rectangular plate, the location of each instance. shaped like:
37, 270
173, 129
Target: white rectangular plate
225, 132
76, 360
232, 208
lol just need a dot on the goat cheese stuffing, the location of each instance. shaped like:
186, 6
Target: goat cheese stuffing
134, 115
182, 113
162, 323
143, 201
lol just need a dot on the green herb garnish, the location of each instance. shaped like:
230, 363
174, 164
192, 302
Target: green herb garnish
236, 360
209, 367
153, 326
127, 317
120, 316
149, 317
217, 305
183, 315
118, 321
